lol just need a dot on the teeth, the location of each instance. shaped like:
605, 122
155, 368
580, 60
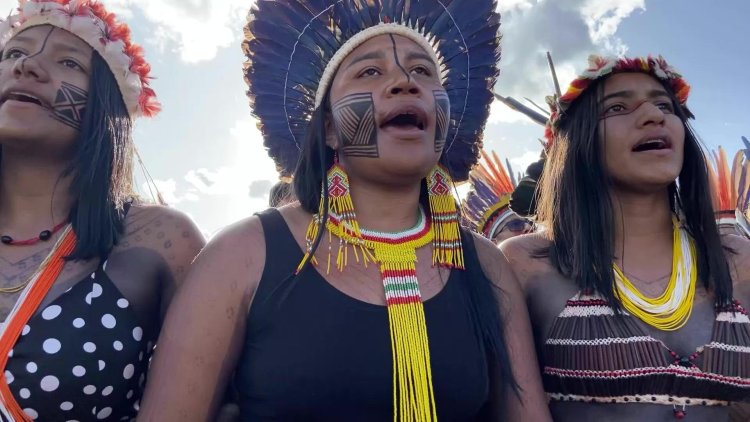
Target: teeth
26, 95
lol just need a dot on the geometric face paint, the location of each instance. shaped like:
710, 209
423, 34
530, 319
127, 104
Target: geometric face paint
354, 121
442, 115
69, 105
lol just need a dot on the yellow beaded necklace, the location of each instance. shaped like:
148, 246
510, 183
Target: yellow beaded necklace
671, 310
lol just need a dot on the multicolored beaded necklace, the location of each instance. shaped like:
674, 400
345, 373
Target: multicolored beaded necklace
396, 256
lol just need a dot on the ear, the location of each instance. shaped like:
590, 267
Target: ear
332, 139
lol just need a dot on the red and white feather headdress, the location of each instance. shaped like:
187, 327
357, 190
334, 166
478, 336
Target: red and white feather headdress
91, 22
601, 66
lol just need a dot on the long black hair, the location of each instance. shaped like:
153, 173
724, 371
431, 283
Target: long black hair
575, 203
103, 166
479, 292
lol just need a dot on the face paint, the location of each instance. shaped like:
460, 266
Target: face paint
69, 105
395, 57
354, 121
44, 46
442, 114
665, 107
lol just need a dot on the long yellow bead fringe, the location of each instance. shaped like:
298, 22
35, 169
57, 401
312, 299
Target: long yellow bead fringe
413, 393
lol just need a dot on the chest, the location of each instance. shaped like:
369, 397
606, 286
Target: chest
547, 296
322, 355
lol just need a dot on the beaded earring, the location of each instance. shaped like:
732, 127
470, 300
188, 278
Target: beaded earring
447, 250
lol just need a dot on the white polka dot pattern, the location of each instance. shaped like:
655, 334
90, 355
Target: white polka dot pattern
81, 358
51, 345
51, 312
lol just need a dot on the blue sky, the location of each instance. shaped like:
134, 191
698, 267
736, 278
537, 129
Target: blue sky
207, 157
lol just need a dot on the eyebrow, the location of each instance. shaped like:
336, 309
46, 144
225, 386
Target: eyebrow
56, 46
416, 55
630, 94
367, 56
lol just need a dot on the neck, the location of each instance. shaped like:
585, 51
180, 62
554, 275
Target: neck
642, 222
33, 195
385, 209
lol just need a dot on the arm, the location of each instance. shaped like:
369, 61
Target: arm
164, 241
203, 332
739, 265
530, 404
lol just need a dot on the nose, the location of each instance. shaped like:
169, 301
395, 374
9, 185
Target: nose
29, 67
650, 114
403, 84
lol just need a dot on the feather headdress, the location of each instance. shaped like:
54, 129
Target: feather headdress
293, 49
487, 204
92, 23
730, 188
600, 67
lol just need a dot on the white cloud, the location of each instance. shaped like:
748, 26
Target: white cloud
194, 28
604, 16
570, 30
520, 163
168, 190
240, 187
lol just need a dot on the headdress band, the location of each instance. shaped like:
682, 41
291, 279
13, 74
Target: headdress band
360, 38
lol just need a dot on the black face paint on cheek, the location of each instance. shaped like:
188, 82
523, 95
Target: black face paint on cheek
442, 116
395, 57
354, 121
70, 105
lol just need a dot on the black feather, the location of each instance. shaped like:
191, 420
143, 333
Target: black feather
289, 42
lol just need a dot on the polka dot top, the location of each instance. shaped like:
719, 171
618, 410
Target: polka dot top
83, 358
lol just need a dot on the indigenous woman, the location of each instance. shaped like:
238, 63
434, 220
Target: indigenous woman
486, 208
365, 301
525, 196
86, 271
635, 301
730, 189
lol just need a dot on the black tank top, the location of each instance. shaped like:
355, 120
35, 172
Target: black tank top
313, 353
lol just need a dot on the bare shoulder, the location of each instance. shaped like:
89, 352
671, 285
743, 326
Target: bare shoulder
524, 248
738, 256
151, 225
494, 265
237, 252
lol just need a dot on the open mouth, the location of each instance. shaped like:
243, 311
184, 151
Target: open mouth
652, 145
405, 118
23, 98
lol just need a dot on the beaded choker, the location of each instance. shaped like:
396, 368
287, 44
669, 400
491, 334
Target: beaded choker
671, 310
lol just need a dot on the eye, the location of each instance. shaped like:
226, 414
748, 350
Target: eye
369, 72
666, 106
13, 53
614, 108
71, 64
422, 70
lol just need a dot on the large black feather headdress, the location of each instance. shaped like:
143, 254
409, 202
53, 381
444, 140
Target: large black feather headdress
289, 43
